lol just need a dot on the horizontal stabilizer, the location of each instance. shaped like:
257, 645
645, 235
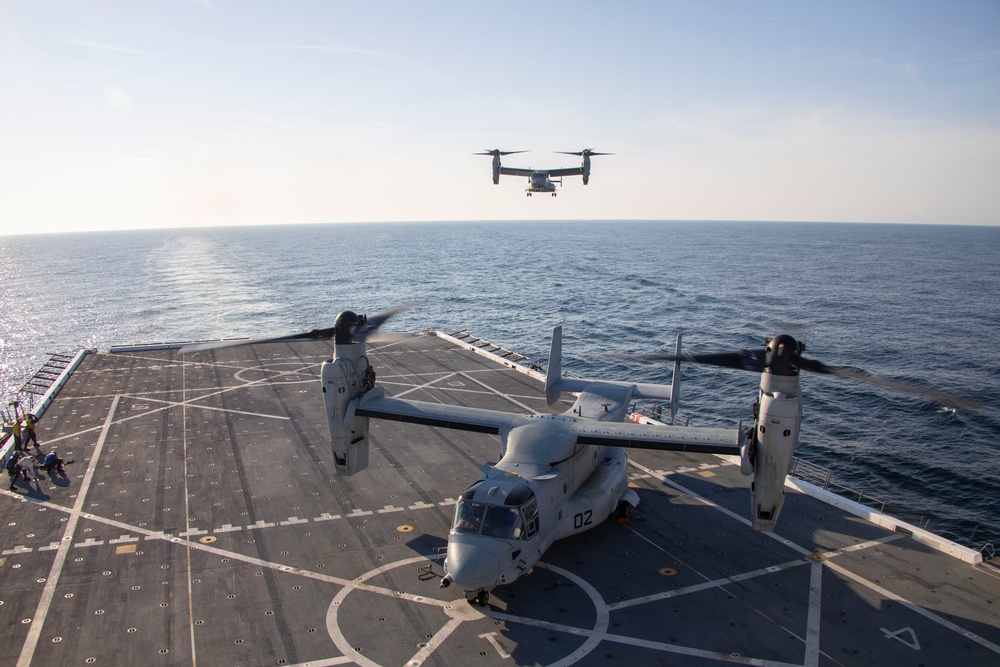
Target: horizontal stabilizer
555, 382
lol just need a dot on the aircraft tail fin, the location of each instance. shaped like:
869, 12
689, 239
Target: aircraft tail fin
675, 381
553, 371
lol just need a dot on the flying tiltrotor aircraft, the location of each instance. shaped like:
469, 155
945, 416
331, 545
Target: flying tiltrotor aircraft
540, 180
563, 474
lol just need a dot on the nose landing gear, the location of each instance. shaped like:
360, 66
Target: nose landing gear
480, 597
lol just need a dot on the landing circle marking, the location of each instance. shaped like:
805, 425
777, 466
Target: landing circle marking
458, 611
272, 375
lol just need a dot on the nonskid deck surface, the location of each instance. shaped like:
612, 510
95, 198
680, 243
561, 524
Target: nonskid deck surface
203, 522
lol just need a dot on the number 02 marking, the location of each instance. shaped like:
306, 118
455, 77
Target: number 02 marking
582, 519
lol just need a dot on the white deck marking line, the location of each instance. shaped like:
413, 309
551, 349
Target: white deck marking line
226, 390
382, 377
48, 593
502, 395
187, 512
696, 652
926, 613
814, 615
732, 515
230, 365
136, 394
764, 571
235, 555
459, 390
778, 538
325, 662
491, 637
847, 573
715, 583
429, 383
208, 407
636, 641
226, 527
432, 644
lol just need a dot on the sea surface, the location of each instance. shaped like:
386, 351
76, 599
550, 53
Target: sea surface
919, 304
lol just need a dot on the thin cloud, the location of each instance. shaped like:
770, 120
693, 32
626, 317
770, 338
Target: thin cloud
408, 63
102, 46
333, 49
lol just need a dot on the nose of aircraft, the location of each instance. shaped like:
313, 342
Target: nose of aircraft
472, 566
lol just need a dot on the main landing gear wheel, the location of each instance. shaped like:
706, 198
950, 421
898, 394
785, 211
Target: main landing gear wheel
623, 512
482, 597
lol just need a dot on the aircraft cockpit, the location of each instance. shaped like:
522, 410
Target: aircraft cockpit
513, 516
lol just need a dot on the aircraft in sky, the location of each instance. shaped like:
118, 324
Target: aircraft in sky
540, 180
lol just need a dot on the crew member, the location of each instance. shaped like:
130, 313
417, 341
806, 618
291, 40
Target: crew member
13, 467
51, 461
29, 431
16, 431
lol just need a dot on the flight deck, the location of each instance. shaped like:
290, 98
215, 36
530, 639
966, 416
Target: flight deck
202, 522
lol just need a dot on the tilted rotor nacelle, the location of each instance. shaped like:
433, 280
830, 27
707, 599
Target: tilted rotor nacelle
585, 164
345, 378
768, 455
496, 153
776, 430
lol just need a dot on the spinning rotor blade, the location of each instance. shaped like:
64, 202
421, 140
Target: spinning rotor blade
759, 360
746, 360
943, 397
585, 151
368, 329
496, 151
357, 330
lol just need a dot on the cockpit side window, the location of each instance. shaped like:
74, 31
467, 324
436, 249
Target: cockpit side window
530, 511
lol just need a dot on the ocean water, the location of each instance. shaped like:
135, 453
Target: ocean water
919, 304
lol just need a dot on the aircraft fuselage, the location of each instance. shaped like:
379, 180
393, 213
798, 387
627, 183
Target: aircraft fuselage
539, 181
544, 488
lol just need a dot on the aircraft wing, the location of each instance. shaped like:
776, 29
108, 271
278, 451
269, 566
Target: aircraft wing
568, 171
666, 438
376, 404
515, 171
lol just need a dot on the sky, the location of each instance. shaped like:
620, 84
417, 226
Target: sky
117, 114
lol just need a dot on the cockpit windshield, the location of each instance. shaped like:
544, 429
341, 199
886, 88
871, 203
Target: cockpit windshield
503, 521
469, 517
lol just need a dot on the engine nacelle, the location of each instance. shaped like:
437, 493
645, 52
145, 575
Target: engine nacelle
345, 379
778, 420
496, 169
586, 168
